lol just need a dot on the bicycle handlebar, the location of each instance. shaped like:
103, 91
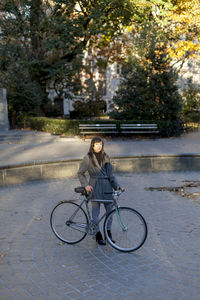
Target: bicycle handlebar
110, 193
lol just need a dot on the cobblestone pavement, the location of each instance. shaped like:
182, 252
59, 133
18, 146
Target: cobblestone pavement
35, 265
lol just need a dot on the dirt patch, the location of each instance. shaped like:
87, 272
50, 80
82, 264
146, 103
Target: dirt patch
189, 189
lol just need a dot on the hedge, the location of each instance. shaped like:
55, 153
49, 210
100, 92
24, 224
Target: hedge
54, 126
71, 127
192, 116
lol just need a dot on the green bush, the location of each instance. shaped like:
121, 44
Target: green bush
54, 126
191, 99
170, 128
192, 116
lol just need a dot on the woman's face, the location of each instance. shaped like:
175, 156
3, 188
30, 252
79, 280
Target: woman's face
97, 147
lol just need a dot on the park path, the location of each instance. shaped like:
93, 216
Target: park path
34, 147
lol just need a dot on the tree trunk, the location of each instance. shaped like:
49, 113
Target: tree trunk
37, 52
35, 12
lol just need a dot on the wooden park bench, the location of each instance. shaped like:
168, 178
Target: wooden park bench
139, 128
90, 129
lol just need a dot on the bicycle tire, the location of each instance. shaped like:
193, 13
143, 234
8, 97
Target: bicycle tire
132, 236
70, 232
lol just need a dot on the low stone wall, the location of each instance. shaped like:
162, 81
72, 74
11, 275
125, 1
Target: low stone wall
68, 168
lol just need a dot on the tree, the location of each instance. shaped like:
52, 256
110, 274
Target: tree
24, 94
47, 39
148, 89
184, 34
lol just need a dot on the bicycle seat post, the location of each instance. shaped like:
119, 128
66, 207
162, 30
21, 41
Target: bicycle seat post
86, 199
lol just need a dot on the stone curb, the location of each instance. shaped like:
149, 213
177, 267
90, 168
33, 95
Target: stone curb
67, 168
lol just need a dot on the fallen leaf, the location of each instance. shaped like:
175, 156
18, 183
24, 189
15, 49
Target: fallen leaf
3, 255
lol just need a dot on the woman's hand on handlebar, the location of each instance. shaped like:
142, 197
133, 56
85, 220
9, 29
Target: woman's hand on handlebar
88, 188
120, 189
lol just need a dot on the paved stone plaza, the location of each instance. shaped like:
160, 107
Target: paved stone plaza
35, 265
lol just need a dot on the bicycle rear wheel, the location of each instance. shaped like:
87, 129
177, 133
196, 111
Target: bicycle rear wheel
69, 222
129, 229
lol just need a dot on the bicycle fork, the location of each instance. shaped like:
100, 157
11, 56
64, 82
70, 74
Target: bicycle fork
123, 227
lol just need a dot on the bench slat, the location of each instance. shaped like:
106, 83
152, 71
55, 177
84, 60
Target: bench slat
134, 127
90, 132
138, 128
103, 127
154, 131
97, 125
97, 128
139, 125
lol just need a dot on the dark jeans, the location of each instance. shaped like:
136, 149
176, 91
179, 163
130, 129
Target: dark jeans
96, 212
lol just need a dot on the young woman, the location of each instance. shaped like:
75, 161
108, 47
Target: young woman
101, 181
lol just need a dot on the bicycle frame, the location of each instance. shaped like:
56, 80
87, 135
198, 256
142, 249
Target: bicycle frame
116, 195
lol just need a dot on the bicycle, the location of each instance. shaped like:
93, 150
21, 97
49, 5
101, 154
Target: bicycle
71, 223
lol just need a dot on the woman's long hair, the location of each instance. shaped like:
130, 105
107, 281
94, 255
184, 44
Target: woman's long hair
91, 152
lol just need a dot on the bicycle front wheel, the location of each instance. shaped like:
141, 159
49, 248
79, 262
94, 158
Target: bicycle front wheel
69, 222
128, 228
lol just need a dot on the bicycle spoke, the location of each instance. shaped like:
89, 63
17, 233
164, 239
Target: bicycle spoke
70, 232
128, 227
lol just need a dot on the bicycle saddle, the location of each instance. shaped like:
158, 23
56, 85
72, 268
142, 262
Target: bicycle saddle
81, 190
